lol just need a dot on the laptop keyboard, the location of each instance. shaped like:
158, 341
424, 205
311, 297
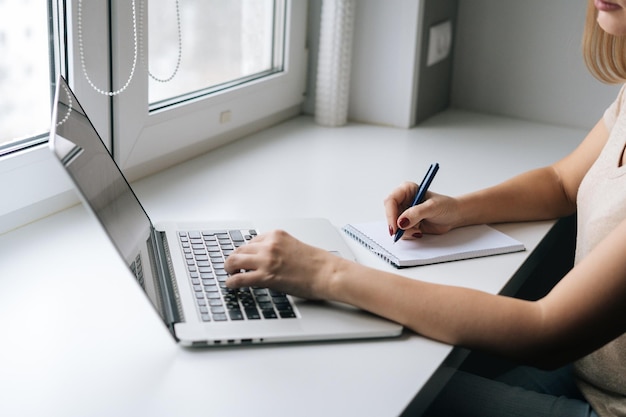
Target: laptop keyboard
136, 268
205, 253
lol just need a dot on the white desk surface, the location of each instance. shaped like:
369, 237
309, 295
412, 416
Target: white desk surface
79, 338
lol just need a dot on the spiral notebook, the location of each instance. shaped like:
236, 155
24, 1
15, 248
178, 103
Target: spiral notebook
462, 243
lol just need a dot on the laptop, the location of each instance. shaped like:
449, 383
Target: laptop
179, 265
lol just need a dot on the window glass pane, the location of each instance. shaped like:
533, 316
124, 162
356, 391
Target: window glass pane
24, 69
222, 41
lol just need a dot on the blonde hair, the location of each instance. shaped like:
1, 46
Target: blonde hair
604, 54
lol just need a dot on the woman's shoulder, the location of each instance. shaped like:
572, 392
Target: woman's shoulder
616, 110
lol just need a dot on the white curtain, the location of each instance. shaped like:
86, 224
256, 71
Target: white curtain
333, 66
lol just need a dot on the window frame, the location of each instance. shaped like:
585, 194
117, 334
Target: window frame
146, 141
28, 173
32, 178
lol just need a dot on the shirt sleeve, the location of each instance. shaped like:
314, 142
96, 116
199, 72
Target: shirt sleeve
611, 114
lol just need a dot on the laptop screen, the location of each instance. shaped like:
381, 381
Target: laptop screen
76, 143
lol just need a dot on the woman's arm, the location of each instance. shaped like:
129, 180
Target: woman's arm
583, 312
544, 193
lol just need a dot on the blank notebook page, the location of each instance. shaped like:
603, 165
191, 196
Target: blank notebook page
462, 243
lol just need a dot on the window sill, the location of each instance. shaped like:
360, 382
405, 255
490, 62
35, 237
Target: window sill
34, 187
37, 187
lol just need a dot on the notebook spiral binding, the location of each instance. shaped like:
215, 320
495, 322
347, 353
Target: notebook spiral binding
369, 243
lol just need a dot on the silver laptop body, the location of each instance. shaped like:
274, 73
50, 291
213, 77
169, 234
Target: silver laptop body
160, 256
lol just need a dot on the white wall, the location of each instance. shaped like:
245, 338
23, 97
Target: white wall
383, 77
513, 58
523, 59
384, 59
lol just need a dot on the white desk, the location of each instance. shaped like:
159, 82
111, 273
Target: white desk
80, 339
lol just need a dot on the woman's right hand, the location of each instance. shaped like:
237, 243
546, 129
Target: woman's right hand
436, 215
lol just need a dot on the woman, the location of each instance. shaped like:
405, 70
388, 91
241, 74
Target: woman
581, 320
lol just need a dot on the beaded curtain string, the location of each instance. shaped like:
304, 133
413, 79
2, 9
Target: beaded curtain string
135, 52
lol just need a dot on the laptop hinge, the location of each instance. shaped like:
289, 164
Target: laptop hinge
170, 298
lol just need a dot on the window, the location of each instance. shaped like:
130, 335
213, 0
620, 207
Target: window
224, 42
24, 72
208, 71
30, 63
260, 45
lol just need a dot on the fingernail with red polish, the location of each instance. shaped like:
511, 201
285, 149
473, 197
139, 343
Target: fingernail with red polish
404, 222
417, 235
390, 231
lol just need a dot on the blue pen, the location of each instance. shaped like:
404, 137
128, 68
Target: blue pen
421, 193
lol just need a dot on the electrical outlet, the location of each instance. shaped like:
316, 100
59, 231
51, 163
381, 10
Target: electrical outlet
439, 42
